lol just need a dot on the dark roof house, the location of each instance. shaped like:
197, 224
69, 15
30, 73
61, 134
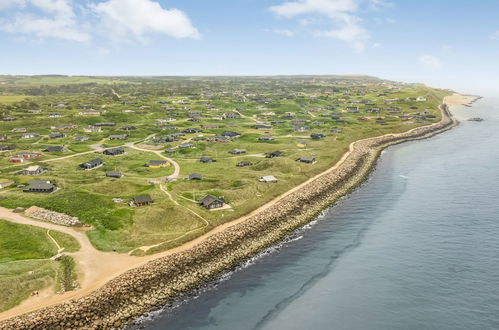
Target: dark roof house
40, 186
211, 202
94, 163
114, 151
195, 176
114, 174
142, 200
274, 154
54, 149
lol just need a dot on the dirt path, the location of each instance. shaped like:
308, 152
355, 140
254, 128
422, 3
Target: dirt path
90, 260
59, 248
176, 172
206, 224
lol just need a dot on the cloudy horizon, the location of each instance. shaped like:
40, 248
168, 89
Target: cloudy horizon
449, 44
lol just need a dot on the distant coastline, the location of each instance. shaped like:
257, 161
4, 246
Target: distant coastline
152, 285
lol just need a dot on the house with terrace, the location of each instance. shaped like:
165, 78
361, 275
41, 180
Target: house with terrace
114, 151
40, 186
211, 202
118, 137
54, 149
157, 163
92, 164
33, 170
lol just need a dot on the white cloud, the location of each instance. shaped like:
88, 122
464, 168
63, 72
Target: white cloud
431, 62
341, 12
379, 4
119, 19
282, 32
495, 35
328, 7
58, 20
141, 17
6, 4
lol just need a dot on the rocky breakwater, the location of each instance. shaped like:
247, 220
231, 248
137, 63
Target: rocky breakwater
151, 286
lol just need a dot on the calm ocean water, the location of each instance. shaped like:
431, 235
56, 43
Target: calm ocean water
416, 247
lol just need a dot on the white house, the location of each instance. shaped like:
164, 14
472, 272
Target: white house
268, 179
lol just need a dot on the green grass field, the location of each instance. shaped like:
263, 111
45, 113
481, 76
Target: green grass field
24, 261
9, 99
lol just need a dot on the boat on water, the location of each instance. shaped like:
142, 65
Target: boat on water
475, 119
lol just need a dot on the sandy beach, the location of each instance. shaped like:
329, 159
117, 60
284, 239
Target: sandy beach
459, 99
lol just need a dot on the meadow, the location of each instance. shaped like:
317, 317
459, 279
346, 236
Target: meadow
25, 264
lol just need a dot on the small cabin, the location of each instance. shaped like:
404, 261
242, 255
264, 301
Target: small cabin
317, 136
306, 160
268, 179
237, 151
157, 163
195, 176
142, 200
90, 165
54, 149
40, 186
114, 174
274, 154
211, 202
33, 170
244, 164
207, 160
118, 137
114, 151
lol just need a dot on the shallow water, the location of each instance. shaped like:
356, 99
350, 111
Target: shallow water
416, 247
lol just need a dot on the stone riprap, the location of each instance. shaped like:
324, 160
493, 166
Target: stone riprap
39, 213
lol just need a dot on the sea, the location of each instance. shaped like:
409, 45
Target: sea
415, 247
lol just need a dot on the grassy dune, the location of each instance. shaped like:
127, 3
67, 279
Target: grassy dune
24, 261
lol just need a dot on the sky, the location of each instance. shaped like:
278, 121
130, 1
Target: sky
442, 43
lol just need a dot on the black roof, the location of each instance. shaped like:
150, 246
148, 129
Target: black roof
54, 149
93, 162
117, 150
157, 162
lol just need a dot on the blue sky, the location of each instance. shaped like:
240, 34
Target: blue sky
442, 43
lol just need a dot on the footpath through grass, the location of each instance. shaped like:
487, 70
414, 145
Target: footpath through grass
25, 264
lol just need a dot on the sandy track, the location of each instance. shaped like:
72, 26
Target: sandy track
176, 172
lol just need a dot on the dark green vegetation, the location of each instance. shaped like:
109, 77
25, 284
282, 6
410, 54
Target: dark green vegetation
25, 263
344, 109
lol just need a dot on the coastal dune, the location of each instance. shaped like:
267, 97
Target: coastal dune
152, 285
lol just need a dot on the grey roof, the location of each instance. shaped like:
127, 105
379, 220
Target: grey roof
114, 174
143, 199
195, 176
54, 149
41, 185
117, 150
208, 199
157, 162
93, 162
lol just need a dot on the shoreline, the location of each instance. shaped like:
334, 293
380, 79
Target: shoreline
150, 286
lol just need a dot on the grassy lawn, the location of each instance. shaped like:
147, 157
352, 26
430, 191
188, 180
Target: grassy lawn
9, 99
24, 261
